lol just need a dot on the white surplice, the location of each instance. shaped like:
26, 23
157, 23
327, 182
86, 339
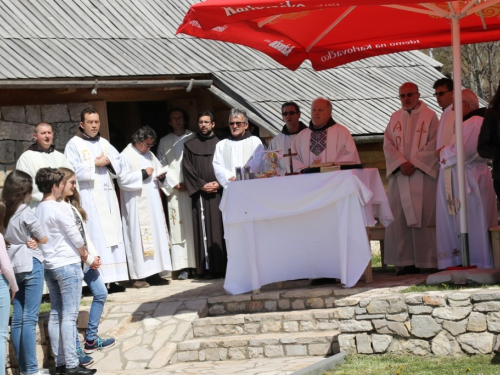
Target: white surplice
31, 161
230, 154
283, 142
446, 128
180, 216
411, 238
100, 202
481, 203
145, 233
340, 148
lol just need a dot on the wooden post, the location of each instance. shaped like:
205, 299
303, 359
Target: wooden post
103, 117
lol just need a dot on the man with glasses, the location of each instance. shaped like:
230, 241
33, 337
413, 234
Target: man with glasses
412, 170
205, 193
443, 91
170, 152
96, 162
145, 229
324, 141
481, 200
293, 126
239, 150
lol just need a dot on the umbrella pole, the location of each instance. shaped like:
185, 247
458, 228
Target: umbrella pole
457, 88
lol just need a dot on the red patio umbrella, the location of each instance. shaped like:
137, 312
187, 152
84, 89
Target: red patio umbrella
330, 33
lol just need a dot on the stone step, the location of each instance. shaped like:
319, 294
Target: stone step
269, 345
261, 323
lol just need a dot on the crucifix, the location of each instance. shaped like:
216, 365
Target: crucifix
421, 131
451, 205
289, 155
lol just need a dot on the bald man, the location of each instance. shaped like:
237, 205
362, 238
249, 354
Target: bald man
412, 171
324, 140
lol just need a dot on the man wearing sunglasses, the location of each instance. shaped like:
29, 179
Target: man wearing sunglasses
443, 91
293, 126
145, 232
239, 150
324, 140
412, 170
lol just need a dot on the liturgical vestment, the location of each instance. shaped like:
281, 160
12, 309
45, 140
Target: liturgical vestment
210, 247
170, 152
481, 201
99, 200
411, 238
282, 142
145, 230
329, 143
231, 153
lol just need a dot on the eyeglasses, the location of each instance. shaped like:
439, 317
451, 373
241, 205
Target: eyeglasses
204, 122
409, 95
72, 182
440, 93
291, 113
147, 144
237, 123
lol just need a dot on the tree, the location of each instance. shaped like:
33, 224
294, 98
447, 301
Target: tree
480, 73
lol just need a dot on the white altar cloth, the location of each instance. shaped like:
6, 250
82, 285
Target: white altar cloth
304, 226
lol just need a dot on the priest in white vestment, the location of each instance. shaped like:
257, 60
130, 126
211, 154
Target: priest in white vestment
239, 150
41, 154
283, 140
180, 216
443, 91
96, 162
147, 243
480, 195
324, 141
412, 170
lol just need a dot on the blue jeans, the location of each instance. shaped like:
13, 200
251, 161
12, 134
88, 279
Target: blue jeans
25, 317
4, 320
65, 289
100, 293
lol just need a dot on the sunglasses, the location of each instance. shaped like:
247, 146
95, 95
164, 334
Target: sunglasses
237, 123
440, 93
409, 95
291, 113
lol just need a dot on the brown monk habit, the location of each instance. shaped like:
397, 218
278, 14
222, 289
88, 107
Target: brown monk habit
198, 170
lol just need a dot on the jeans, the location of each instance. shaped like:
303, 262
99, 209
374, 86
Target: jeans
100, 293
4, 320
25, 317
65, 289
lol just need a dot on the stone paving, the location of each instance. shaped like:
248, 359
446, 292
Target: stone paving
149, 323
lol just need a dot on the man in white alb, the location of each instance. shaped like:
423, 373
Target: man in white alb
293, 126
145, 230
443, 91
41, 154
324, 141
412, 170
96, 162
239, 150
170, 152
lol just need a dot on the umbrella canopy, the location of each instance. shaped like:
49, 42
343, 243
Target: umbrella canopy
332, 33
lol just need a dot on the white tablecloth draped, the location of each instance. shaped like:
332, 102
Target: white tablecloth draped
303, 226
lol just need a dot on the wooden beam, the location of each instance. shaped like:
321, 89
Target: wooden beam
103, 117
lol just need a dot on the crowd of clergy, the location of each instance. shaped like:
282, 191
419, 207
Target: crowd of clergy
135, 239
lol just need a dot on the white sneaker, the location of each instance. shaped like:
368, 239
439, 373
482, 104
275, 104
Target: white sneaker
183, 275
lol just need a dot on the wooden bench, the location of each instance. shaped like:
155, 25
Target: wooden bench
377, 233
495, 245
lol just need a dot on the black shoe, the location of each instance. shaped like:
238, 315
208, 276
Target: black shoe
61, 370
322, 281
80, 370
115, 288
407, 270
157, 280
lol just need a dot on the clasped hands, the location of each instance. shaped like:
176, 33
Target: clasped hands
407, 168
211, 187
102, 160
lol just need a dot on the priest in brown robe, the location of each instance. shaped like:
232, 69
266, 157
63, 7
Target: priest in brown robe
205, 193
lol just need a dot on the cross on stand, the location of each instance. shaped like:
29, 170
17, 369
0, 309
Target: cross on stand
289, 155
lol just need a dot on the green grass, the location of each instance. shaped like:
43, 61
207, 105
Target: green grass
377, 265
414, 365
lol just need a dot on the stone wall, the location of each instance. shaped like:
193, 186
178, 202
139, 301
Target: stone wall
438, 323
17, 124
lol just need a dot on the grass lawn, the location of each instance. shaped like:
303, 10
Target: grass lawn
413, 365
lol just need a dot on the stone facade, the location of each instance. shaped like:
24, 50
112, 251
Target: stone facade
437, 323
17, 124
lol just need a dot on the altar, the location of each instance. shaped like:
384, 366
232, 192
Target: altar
301, 226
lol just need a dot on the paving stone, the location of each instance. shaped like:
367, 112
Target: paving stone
186, 315
181, 331
131, 365
391, 305
251, 328
271, 327
131, 343
284, 304
166, 310
292, 326
298, 315
343, 313
256, 352
319, 349
308, 293
111, 362
216, 354
236, 353
162, 336
295, 350
298, 304
307, 325
270, 305
355, 326
273, 351
274, 296
346, 302
187, 356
